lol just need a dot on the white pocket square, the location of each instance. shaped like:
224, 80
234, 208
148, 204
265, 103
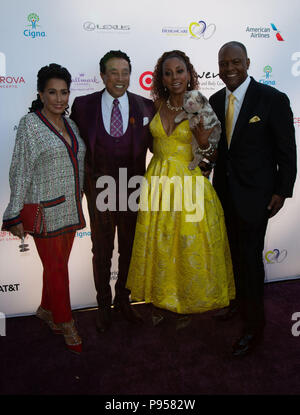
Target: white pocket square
145, 121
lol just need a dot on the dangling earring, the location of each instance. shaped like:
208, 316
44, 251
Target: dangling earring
189, 85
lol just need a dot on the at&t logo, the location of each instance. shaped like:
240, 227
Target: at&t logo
276, 256
33, 19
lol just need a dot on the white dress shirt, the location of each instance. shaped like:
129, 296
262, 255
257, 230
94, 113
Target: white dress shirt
239, 94
107, 105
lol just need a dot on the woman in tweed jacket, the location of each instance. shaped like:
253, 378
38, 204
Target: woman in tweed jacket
47, 167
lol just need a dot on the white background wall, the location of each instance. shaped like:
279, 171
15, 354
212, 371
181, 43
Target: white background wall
77, 34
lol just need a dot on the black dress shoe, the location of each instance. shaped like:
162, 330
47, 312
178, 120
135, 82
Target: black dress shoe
227, 313
103, 319
128, 312
246, 343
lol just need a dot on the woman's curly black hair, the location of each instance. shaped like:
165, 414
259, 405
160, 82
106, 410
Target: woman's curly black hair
45, 73
158, 91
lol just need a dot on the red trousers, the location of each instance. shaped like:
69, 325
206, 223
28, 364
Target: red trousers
54, 254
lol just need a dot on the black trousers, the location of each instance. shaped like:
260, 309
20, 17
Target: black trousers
246, 241
103, 229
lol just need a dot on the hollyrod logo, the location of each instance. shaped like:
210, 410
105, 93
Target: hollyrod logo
33, 19
161, 194
8, 81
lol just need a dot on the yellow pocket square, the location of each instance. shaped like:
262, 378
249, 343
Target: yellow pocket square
254, 119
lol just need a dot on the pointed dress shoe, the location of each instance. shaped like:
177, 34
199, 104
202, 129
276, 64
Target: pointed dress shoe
103, 319
128, 312
246, 343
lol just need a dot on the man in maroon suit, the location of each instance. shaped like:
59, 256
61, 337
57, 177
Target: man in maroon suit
114, 124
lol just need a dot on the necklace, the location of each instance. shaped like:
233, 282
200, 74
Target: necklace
172, 108
60, 130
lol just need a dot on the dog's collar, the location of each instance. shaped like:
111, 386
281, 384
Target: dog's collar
194, 113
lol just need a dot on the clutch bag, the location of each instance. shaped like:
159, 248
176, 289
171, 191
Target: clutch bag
33, 219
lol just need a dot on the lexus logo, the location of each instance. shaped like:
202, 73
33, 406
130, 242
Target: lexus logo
89, 26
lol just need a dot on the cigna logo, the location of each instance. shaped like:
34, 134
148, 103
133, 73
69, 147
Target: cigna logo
267, 77
32, 33
8, 81
276, 256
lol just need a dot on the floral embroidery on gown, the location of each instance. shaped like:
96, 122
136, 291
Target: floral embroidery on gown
179, 264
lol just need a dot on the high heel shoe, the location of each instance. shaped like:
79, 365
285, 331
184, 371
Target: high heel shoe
72, 339
46, 316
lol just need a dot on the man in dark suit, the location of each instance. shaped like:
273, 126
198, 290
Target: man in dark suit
114, 124
255, 171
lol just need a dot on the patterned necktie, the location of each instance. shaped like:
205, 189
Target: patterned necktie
229, 117
116, 122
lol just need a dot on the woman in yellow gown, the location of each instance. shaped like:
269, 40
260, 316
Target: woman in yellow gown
180, 259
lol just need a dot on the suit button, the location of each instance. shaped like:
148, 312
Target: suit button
117, 141
227, 173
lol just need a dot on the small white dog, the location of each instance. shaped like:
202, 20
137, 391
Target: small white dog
195, 106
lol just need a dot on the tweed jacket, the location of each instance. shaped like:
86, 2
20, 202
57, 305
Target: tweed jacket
47, 170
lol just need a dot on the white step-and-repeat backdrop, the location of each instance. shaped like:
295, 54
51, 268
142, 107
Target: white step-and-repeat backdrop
76, 35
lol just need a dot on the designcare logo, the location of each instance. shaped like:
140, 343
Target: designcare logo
195, 30
276, 256
8, 81
33, 33
106, 28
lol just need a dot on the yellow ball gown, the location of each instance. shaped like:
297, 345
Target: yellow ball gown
180, 258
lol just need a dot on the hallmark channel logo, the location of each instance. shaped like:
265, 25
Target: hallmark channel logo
267, 77
276, 256
296, 66
195, 30
263, 32
106, 28
8, 81
33, 33
82, 82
